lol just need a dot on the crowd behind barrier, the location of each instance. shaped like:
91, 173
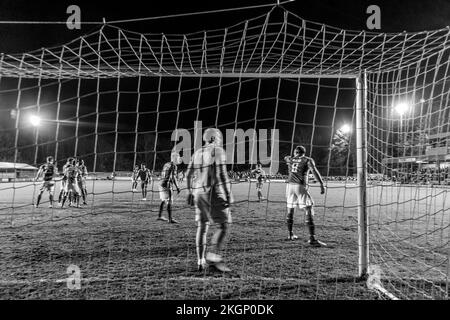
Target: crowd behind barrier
422, 176
428, 176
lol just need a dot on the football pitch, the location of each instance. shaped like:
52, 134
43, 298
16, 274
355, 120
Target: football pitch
122, 252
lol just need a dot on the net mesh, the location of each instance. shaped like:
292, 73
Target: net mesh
114, 98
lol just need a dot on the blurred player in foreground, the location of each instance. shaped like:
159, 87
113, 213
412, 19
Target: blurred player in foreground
211, 195
297, 193
260, 176
48, 171
169, 175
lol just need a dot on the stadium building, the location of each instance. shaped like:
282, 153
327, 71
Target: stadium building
10, 171
433, 161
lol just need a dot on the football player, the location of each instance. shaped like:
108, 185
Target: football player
64, 180
297, 193
134, 178
48, 171
211, 195
168, 179
71, 187
145, 176
81, 179
260, 176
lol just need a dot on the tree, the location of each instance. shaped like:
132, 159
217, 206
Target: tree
342, 155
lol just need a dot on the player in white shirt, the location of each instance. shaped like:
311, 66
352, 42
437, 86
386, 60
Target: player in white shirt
210, 192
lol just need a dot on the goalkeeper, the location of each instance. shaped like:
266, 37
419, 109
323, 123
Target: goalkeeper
211, 194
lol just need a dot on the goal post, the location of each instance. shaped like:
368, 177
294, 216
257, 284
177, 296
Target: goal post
361, 164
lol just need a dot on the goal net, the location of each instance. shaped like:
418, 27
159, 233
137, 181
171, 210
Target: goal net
117, 98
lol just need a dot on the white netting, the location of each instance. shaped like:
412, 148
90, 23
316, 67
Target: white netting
408, 135
114, 98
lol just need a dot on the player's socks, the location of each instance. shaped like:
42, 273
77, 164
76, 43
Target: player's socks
310, 224
51, 201
38, 200
160, 216
83, 195
290, 223
60, 196
169, 212
161, 208
63, 201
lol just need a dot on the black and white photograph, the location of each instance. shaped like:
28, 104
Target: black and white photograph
243, 152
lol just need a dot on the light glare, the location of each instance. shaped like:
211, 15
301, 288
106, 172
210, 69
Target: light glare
402, 108
35, 120
346, 129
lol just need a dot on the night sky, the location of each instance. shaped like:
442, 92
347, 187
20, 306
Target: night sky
397, 16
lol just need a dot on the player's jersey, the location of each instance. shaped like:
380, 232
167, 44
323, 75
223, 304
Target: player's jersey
259, 174
48, 170
72, 173
168, 174
207, 164
82, 172
298, 170
144, 175
64, 170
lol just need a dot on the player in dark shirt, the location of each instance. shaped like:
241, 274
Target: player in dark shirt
297, 192
48, 172
145, 175
168, 179
260, 176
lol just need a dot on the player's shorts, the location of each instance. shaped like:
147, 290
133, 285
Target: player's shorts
298, 195
63, 183
48, 186
165, 194
211, 208
72, 186
144, 184
259, 185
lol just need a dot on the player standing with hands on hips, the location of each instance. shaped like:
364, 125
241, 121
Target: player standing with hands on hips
297, 193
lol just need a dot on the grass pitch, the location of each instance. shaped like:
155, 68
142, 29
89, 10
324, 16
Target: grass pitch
122, 252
